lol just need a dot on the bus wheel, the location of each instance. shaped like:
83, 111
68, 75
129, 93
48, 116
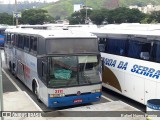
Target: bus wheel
36, 91
10, 67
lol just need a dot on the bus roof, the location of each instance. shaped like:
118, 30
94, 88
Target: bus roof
132, 26
104, 32
54, 33
6, 26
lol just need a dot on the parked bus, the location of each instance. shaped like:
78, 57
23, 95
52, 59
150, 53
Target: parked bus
131, 62
60, 66
2, 36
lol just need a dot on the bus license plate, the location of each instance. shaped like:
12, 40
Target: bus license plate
78, 101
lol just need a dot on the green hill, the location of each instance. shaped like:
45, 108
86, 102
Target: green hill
64, 8
9, 8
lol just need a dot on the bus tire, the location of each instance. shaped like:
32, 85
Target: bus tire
10, 67
13, 70
35, 90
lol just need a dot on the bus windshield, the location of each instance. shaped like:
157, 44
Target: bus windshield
73, 71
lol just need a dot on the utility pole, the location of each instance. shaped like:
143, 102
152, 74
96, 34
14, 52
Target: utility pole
16, 13
1, 88
86, 21
13, 17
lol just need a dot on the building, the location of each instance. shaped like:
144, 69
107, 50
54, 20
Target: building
157, 8
146, 9
78, 7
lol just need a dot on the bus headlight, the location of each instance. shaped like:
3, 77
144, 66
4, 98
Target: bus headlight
56, 95
97, 90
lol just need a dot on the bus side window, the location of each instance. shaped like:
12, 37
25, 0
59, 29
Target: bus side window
101, 47
145, 52
138, 48
134, 49
116, 46
13, 39
155, 54
44, 71
26, 43
33, 44
8, 38
102, 44
144, 55
20, 41
16, 42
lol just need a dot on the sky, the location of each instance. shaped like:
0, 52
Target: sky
13, 1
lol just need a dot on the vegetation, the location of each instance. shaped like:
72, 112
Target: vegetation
35, 16
79, 17
32, 17
99, 15
9, 8
5, 18
118, 15
64, 8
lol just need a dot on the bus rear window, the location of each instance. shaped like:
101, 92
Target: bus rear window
71, 46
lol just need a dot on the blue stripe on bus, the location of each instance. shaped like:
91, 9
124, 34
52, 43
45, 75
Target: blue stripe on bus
68, 101
2, 39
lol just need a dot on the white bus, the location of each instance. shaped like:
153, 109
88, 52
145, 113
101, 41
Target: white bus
131, 62
60, 66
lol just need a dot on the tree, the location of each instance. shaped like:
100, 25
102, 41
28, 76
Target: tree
35, 16
155, 15
5, 18
79, 17
145, 20
148, 19
123, 15
119, 15
134, 15
57, 17
97, 17
75, 18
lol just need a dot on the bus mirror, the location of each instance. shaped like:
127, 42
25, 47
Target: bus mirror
144, 55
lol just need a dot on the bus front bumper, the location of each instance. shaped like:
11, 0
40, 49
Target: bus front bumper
73, 100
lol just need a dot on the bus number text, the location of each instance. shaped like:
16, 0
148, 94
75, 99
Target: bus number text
58, 91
